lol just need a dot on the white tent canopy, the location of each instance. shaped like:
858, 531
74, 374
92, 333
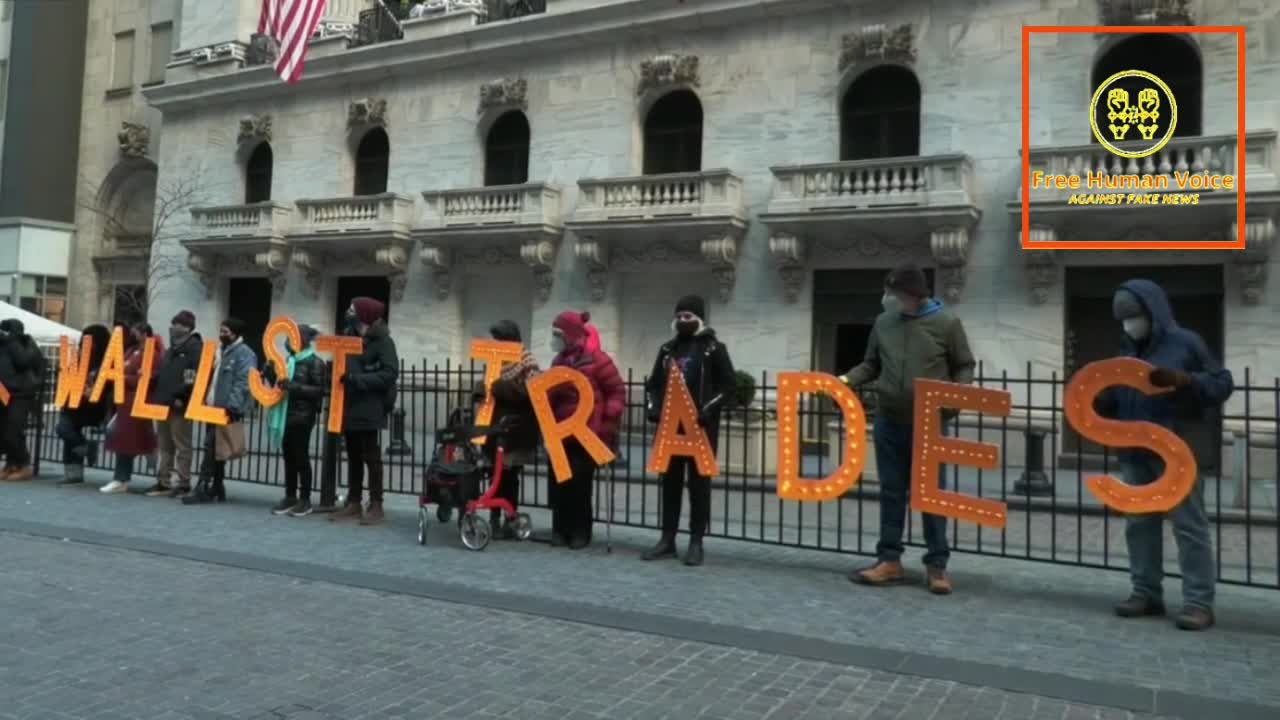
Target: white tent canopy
41, 329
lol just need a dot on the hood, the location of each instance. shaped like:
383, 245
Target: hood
1156, 303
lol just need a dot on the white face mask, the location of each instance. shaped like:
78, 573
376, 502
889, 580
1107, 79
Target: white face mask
1136, 328
891, 303
557, 343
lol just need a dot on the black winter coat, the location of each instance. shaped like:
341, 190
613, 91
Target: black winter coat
93, 414
711, 388
511, 403
177, 377
22, 365
371, 382
306, 390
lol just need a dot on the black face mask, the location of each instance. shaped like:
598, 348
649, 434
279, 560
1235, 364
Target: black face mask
687, 328
351, 324
226, 340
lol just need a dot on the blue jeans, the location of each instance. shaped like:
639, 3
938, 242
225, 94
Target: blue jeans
73, 440
893, 464
1144, 535
124, 468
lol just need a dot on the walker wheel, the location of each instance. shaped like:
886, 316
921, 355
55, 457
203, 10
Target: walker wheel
422, 526
474, 531
444, 513
523, 526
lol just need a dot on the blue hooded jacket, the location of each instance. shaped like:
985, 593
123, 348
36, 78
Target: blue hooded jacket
1173, 347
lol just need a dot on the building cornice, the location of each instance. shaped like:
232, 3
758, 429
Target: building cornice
494, 41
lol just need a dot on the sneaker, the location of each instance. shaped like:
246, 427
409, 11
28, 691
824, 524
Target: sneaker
350, 511
1139, 606
882, 574
159, 490
938, 581
114, 487
301, 509
1194, 619
284, 506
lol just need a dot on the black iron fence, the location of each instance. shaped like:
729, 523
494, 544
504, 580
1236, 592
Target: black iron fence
1041, 475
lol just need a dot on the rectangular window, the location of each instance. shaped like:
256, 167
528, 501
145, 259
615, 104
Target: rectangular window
161, 50
122, 61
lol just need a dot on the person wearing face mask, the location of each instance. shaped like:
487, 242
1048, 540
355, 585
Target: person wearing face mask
577, 346
708, 373
915, 337
130, 437
1196, 382
229, 390
370, 384
175, 381
291, 422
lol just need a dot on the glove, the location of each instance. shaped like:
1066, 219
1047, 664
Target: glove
1168, 378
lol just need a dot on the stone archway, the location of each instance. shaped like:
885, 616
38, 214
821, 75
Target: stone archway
121, 237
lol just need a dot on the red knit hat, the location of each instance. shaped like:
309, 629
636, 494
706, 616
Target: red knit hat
368, 310
573, 325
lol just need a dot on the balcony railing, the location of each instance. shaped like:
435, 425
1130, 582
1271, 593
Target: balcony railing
903, 182
528, 204
694, 194
373, 214
263, 219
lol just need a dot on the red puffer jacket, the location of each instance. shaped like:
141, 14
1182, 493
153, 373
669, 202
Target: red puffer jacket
607, 384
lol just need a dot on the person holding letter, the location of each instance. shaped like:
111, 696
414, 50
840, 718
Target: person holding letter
22, 369
291, 422
130, 437
230, 392
72, 422
915, 337
370, 391
512, 406
708, 373
577, 346
175, 382
1197, 383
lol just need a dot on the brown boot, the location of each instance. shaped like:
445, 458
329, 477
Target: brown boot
1194, 619
21, 474
373, 515
882, 574
350, 511
938, 581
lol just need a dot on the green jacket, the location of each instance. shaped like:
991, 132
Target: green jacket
930, 344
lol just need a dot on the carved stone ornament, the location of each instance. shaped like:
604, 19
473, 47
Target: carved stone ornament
275, 262
878, 43
1252, 262
254, 129
596, 257
503, 93
312, 267
367, 112
205, 269
440, 264
135, 140
722, 253
950, 249
787, 251
1041, 265
540, 256
1145, 12
666, 71
395, 260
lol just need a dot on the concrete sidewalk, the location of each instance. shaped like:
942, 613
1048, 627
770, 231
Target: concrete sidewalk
1022, 627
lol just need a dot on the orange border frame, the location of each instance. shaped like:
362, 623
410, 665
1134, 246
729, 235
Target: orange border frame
1237, 244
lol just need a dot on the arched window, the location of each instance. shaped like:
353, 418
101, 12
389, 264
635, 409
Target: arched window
673, 134
373, 156
257, 174
506, 150
1168, 57
880, 115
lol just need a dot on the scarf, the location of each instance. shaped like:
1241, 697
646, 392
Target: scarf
279, 415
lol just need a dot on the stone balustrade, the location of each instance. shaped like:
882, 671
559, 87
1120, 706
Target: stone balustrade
940, 180
263, 219
531, 204
366, 215
710, 193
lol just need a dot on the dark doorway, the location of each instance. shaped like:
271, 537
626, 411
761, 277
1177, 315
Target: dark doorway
1196, 294
249, 300
350, 288
373, 158
880, 115
1172, 58
846, 304
506, 151
673, 134
257, 174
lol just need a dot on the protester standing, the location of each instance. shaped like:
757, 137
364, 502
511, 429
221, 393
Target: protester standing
512, 407
130, 437
915, 337
229, 391
72, 423
577, 346
704, 363
1198, 384
291, 422
22, 369
175, 381
370, 383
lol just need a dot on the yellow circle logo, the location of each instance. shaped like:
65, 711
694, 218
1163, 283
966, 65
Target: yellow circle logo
1135, 108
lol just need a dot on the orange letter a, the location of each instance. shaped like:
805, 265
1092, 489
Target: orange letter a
679, 413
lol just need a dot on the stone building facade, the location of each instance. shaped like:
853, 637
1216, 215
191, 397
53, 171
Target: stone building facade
777, 157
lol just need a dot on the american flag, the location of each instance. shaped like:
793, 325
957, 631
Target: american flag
291, 23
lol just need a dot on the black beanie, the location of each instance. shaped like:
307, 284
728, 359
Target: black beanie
908, 279
693, 304
235, 325
505, 331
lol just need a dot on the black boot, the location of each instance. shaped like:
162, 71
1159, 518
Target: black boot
666, 548
693, 557
204, 493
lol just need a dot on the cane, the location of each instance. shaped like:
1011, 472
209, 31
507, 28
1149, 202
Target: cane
608, 526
